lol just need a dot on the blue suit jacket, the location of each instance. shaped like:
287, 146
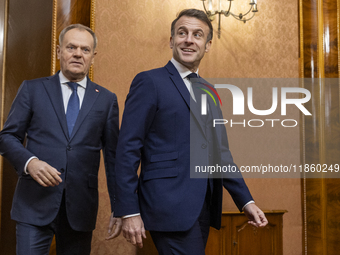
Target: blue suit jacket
155, 131
38, 114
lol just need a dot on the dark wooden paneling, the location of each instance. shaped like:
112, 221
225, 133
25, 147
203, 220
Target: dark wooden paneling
28, 52
237, 237
321, 197
330, 38
332, 125
311, 146
70, 12
312, 156
28, 56
310, 38
3, 22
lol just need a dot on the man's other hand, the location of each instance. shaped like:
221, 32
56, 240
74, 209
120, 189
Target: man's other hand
133, 230
116, 224
255, 215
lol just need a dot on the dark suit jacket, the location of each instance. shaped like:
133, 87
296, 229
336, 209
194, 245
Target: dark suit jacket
156, 132
38, 114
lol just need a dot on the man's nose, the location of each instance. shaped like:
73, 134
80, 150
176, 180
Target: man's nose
77, 52
189, 38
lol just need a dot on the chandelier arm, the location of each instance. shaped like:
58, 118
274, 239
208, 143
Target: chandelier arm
234, 15
205, 9
251, 7
227, 13
244, 20
237, 16
249, 18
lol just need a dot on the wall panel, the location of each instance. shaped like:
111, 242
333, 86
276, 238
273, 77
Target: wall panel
319, 23
27, 57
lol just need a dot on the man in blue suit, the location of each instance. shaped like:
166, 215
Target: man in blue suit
162, 131
66, 120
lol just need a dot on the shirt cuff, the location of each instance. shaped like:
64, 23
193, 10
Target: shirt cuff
130, 215
250, 202
29, 160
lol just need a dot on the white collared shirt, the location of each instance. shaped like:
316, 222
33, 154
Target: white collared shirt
67, 91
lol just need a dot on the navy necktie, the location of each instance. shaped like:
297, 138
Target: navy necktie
193, 78
72, 107
195, 84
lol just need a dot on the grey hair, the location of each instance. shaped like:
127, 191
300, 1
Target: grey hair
81, 28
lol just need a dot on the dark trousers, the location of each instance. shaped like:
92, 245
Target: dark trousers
191, 242
36, 240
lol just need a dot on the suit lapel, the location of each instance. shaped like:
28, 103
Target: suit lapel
91, 94
53, 89
178, 82
183, 90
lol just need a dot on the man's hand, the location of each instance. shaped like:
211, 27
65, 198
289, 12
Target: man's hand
43, 173
133, 230
255, 215
115, 223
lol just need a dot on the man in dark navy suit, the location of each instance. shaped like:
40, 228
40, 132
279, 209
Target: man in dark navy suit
163, 131
66, 120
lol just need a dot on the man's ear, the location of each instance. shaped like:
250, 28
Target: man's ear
58, 52
94, 54
207, 46
171, 43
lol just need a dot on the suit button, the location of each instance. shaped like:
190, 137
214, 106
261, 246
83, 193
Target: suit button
69, 148
62, 170
204, 146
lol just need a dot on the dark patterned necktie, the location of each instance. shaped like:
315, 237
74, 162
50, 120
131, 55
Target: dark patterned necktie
72, 107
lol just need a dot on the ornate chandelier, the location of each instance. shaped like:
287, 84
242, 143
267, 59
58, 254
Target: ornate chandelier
241, 17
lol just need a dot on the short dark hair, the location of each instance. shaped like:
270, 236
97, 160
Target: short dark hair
198, 14
81, 28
